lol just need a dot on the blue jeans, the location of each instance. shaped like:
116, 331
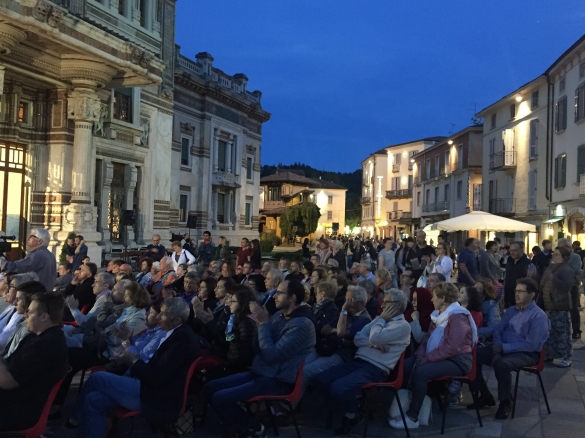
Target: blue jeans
224, 394
101, 392
345, 381
314, 365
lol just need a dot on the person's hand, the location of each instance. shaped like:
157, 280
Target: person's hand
497, 348
127, 357
154, 250
205, 315
390, 312
123, 332
69, 259
72, 302
415, 315
348, 303
260, 313
81, 242
76, 279
383, 348
326, 330
197, 304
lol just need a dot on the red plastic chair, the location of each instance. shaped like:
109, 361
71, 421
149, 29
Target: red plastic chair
531, 369
39, 428
394, 383
464, 379
84, 310
289, 400
90, 369
122, 413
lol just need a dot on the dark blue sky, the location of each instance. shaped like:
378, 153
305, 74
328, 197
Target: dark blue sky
345, 78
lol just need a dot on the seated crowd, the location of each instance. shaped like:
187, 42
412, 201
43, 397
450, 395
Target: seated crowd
257, 325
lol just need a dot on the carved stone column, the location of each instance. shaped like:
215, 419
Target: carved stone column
131, 178
215, 149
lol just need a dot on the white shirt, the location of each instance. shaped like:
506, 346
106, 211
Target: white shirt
9, 329
185, 258
444, 265
4, 317
162, 340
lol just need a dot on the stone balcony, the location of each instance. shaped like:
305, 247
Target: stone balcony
219, 178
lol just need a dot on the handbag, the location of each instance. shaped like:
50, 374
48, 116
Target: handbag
425, 414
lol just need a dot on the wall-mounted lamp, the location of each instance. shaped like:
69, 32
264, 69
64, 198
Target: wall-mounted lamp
518, 98
450, 142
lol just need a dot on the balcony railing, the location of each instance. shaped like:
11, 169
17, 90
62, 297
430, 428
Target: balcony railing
396, 194
437, 206
396, 167
366, 200
503, 160
399, 214
502, 205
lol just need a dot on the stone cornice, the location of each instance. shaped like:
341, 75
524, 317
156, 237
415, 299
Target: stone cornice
215, 91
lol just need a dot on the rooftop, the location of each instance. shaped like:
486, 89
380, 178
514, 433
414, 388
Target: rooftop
298, 177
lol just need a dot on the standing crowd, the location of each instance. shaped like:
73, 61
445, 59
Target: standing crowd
345, 313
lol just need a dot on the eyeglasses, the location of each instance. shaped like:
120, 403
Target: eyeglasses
280, 292
520, 291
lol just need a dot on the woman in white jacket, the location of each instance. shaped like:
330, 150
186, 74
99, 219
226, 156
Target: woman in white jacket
443, 263
181, 256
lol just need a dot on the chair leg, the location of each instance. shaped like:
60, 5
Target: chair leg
474, 396
402, 413
366, 411
515, 393
132, 426
329, 418
81, 381
543, 392
269, 409
444, 417
203, 413
294, 418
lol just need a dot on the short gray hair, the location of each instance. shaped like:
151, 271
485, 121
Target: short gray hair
277, 275
367, 285
368, 264
440, 276
43, 235
23, 278
564, 242
106, 278
191, 275
397, 296
317, 257
177, 308
360, 294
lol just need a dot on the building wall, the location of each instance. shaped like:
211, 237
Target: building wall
336, 207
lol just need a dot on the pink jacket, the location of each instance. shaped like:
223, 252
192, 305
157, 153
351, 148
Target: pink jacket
457, 339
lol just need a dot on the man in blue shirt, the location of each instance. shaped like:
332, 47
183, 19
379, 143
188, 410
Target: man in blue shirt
517, 342
468, 263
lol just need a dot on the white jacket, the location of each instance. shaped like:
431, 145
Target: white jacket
185, 258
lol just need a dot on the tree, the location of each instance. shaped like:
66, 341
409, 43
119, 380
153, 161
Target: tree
304, 216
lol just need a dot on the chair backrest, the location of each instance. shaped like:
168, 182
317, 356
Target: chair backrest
86, 308
295, 395
39, 428
471, 375
396, 376
190, 373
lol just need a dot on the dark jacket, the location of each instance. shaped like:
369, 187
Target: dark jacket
555, 287
283, 344
542, 261
340, 258
83, 292
324, 316
241, 349
162, 379
77, 258
514, 270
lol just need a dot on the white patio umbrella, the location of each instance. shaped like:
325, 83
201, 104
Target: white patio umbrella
483, 221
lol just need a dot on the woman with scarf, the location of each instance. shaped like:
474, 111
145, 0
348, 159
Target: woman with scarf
239, 335
555, 287
446, 351
419, 316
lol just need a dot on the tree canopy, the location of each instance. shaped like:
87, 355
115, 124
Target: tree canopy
303, 216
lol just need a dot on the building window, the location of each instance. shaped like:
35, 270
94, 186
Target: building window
23, 112
561, 114
560, 171
447, 162
580, 162
221, 155
437, 165
580, 102
185, 151
121, 7
418, 199
446, 197
437, 194
493, 124
533, 138
512, 111
428, 196
582, 70
183, 207
274, 193
221, 217
534, 99
248, 216
249, 168
143, 6
459, 189
532, 190
460, 157
329, 215
397, 159
123, 104
428, 169
562, 84
329, 199
492, 146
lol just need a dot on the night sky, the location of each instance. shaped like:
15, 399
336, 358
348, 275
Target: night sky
343, 79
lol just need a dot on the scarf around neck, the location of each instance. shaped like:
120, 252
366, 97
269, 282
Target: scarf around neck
442, 319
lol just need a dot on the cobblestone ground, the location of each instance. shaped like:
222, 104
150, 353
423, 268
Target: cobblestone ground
565, 389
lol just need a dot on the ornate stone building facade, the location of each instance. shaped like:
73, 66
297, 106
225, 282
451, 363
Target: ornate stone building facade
217, 139
86, 119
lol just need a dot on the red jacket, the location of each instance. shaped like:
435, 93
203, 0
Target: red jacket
457, 339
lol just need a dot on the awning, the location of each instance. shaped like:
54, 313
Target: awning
483, 221
553, 220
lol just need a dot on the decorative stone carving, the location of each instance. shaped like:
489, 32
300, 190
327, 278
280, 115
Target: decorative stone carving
98, 126
9, 37
186, 126
145, 124
139, 56
84, 106
114, 4
48, 13
166, 92
2, 72
80, 217
83, 71
55, 17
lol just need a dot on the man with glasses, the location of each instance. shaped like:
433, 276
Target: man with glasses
39, 362
39, 259
517, 342
380, 344
156, 250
